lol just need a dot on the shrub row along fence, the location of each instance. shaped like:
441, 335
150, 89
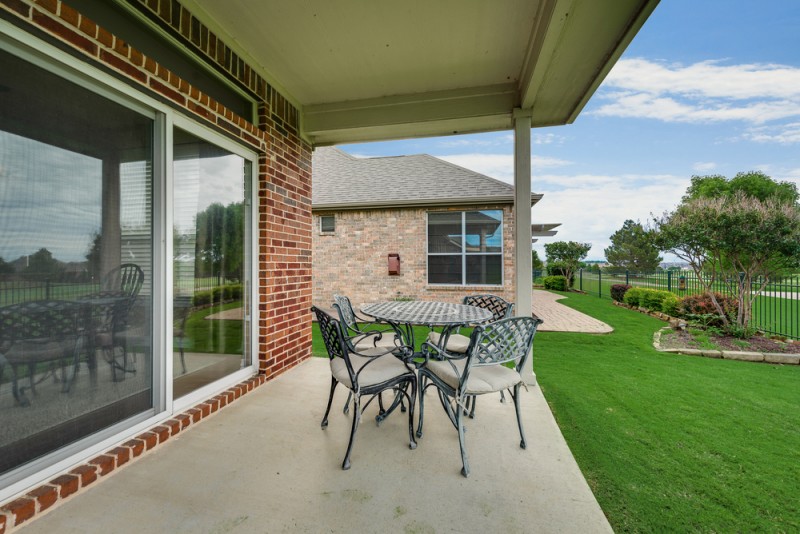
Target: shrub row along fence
776, 309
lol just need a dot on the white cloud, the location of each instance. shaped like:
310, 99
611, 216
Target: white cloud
702, 92
704, 166
585, 218
500, 166
547, 139
784, 134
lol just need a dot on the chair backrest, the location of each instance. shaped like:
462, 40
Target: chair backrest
346, 313
331, 331
500, 307
128, 279
502, 341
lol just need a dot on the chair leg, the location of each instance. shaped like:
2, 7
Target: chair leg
421, 383
412, 442
346, 408
356, 419
334, 383
460, 426
515, 394
474, 400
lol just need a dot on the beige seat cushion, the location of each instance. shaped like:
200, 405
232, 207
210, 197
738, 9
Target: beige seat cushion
386, 341
455, 343
482, 379
381, 369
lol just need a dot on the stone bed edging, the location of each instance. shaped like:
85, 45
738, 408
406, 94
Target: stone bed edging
766, 357
63, 487
744, 356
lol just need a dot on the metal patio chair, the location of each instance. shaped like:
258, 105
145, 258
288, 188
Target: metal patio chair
366, 373
362, 333
500, 308
44, 337
478, 371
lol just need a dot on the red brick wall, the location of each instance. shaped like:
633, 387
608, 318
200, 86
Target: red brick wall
353, 260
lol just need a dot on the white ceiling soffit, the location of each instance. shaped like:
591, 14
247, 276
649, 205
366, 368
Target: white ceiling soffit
386, 69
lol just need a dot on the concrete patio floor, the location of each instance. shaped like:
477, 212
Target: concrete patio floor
264, 465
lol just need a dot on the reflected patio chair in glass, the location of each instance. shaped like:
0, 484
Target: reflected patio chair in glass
128, 279
367, 373
43, 337
478, 371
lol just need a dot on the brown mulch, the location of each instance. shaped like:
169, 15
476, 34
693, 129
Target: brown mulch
676, 339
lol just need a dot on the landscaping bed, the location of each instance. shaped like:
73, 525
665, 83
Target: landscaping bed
699, 339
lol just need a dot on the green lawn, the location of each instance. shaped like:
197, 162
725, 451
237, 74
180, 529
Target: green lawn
216, 336
670, 442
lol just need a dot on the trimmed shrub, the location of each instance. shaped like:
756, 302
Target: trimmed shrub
671, 305
633, 297
201, 298
700, 307
618, 291
556, 283
652, 298
559, 268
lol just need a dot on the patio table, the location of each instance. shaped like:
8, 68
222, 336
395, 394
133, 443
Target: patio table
402, 315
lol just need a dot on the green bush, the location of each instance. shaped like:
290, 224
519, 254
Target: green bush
556, 283
699, 308
652, 298
618, 292
633, 297
559, 268
201, 298
671, 305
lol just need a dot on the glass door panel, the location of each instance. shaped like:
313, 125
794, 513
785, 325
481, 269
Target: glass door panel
210, 262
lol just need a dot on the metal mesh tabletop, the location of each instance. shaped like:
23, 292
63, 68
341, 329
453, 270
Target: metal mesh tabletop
427, 313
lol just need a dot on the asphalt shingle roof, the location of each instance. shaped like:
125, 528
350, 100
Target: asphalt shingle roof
342, 181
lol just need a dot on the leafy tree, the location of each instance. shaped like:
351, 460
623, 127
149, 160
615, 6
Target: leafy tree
5, 267
536, 262
632, 248
43, 263
734, 240
219, 246
753, 184
568, 254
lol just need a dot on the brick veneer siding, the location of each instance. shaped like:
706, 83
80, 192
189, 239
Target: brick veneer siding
353, 260
283, 213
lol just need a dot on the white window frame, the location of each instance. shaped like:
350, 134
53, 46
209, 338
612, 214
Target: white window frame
463, 252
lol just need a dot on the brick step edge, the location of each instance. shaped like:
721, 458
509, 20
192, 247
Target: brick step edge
765, 357
65, 486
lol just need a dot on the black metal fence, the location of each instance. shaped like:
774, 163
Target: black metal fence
776, 309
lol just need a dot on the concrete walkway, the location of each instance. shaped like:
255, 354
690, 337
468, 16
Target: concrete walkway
560, 318
264, 465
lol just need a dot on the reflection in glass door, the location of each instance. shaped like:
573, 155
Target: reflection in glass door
210, 263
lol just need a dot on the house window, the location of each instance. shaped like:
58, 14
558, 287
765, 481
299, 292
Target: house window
327, 224
465, 247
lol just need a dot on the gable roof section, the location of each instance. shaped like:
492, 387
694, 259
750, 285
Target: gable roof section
343, 182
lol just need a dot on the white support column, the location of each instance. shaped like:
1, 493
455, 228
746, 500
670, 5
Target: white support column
522, 221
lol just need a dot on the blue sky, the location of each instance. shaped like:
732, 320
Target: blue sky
706, 87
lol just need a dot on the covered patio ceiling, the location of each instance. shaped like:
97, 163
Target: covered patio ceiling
365, 71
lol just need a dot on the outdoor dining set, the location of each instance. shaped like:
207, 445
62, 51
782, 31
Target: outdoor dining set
375, 353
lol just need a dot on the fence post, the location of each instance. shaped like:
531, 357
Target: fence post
669, 280
47, 289
600, 283
580, 279
627, 278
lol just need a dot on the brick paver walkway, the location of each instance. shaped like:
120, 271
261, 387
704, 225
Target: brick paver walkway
560, 318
